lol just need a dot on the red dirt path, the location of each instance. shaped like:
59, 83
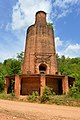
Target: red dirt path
12, 110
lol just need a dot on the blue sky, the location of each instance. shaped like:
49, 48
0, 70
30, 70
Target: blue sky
17, 15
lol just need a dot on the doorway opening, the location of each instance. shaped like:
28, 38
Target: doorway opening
42, 69
60, 87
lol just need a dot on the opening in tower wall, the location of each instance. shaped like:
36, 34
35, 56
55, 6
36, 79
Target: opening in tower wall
42, 68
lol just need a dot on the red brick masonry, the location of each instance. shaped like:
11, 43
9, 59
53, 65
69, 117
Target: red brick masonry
39, 67
26, 84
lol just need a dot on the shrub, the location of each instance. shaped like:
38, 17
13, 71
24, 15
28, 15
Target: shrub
46, 94
74, 92
54, 93
11, 90
59, 100
12, 93
1, 84
77, 84
33, 97
7, 96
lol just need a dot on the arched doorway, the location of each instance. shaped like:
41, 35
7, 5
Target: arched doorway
42, 68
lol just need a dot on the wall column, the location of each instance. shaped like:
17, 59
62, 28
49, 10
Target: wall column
7, 84
65, 86
42, 83
17, 85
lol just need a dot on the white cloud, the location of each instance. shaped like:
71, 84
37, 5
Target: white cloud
23, 15
66, 48
1, 26
58, 41
8, 27
11, 44
72, 50
6, 53
10, 51
24, 12
65, 3
63, 7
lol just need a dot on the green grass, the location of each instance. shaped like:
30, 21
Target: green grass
64, 100
7, 96
54, 99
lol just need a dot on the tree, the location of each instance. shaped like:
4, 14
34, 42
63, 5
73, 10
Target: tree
9, 67
71, 67
20, 56
12, 66
51, 25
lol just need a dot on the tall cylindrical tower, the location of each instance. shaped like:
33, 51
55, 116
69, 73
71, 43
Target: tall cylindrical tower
40, 55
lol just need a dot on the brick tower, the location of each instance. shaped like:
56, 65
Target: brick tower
39, 67
40, 55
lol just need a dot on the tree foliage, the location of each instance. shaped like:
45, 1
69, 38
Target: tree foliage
66, 66
12, 66
20, 56
71, 67
46, 94
9, 67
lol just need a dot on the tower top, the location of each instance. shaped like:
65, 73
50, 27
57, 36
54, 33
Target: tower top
40, 12
40, 17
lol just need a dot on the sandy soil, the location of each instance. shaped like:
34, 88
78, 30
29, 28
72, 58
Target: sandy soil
12, 110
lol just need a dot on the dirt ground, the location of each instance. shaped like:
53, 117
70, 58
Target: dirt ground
13, 110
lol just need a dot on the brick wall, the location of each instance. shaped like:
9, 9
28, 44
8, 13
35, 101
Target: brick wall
28, 85
40, 46
53, 84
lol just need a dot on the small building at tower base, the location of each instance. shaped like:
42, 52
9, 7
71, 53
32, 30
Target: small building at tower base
25, 84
